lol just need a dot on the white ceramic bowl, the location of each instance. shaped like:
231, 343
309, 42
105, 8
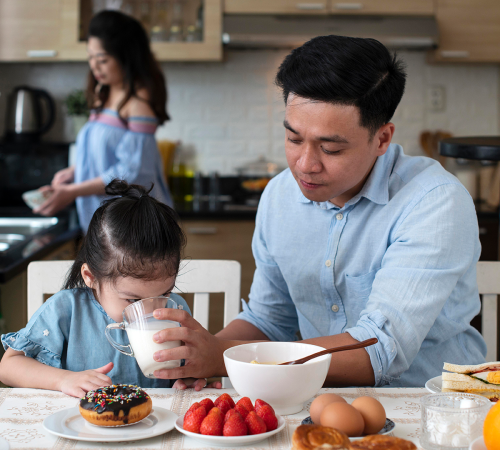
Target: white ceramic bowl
285, 388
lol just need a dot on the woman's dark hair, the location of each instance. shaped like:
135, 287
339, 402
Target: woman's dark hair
124, 38
346, 71
132, 235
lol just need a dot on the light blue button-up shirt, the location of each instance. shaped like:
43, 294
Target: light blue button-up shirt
396, 262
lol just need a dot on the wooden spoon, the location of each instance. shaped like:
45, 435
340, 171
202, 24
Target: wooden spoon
361, 344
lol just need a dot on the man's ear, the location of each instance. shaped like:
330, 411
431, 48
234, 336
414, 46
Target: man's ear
384, 137
87, 276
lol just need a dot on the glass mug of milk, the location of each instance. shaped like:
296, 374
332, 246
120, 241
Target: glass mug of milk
141, 326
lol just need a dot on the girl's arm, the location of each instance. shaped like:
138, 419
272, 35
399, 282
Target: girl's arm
18, 370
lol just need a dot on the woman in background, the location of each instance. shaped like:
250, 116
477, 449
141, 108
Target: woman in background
127, 94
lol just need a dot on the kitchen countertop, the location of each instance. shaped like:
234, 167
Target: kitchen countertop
16, 260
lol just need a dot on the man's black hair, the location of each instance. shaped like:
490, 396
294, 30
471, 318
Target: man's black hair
346, 71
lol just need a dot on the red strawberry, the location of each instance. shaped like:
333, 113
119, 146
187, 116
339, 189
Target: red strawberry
242, 410
266, 413
259, 403
230, 413
194, 420
235, 425
212, 424
207, 403
192, 408
246, 402
255, 424
224, 406
224, 396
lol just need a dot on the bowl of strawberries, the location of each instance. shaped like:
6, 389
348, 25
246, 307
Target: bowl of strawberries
225, 423
254, 372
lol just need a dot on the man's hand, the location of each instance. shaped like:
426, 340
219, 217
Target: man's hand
58, 198
201, 350
197, 384
63, 176
77, 384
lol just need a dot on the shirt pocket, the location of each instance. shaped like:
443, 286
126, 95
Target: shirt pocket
358, 288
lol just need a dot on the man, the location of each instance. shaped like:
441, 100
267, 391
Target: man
355, 240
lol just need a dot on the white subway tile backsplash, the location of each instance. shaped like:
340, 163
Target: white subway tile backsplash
229, 113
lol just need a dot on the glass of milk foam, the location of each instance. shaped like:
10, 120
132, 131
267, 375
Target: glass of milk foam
141, 326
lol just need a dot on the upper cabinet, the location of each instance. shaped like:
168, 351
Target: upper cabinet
29, 29
276, 6
469, 31
416, 7
180, 30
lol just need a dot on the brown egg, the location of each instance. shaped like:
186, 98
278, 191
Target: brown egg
373, 414
320, 402
343, 417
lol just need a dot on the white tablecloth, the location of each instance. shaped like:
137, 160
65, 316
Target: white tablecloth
22, 412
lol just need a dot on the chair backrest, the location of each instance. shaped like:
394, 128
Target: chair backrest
488, 283
200, 277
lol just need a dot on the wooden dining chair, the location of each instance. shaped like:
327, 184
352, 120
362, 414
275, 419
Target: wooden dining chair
200, 277
488, 283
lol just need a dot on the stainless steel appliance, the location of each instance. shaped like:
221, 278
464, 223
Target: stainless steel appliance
30, 113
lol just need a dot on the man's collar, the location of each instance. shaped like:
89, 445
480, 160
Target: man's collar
376, 187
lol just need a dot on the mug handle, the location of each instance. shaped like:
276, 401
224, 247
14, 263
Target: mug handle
119, 347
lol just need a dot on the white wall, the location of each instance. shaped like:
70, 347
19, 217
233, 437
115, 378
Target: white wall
231, 112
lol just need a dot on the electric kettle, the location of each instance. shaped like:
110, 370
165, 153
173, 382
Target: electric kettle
30, 113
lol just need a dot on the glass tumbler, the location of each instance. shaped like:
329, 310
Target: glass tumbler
452, 420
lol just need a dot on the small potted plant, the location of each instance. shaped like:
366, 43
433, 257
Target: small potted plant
77, 109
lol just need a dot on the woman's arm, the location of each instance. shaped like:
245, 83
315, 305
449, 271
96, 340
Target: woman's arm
18, 370
64, 194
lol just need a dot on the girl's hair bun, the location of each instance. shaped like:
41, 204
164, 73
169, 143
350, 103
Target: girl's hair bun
123, 189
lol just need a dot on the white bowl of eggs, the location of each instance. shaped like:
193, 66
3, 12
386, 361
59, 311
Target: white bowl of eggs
285, 388
364, 416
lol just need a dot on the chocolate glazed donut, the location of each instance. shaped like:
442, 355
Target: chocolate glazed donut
120, 404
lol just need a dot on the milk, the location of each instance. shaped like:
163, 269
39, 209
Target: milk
140, 335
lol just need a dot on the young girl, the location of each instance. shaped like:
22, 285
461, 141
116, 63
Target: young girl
132, 250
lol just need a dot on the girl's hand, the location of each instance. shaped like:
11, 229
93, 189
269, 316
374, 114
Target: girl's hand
77, 384
63, 176
58, 198
197, 384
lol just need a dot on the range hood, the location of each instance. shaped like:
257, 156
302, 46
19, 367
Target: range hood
288, 31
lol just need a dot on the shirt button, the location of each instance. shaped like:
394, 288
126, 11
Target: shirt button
339, 216
335, 308
328, 263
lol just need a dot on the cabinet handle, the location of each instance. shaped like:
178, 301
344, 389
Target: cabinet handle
202, 230
310, 6
483, 231
41, 53
348, 6
455, 54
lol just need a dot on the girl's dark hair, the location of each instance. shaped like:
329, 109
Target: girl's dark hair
124, 38
346, 71
132, 235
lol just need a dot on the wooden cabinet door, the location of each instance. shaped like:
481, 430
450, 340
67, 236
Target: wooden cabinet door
29, 30
401, 7
209, 49
275, 6
469, 31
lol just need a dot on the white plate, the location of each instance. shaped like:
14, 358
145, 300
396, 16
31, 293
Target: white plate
70, 424
477, 444
229, 441
434, 385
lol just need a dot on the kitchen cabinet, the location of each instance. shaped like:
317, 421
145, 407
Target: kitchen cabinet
390, 7
221, 239
413, 7
469, 31
29, 29
55, 30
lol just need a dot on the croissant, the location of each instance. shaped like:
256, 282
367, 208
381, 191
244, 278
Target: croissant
382, 442
311, 437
